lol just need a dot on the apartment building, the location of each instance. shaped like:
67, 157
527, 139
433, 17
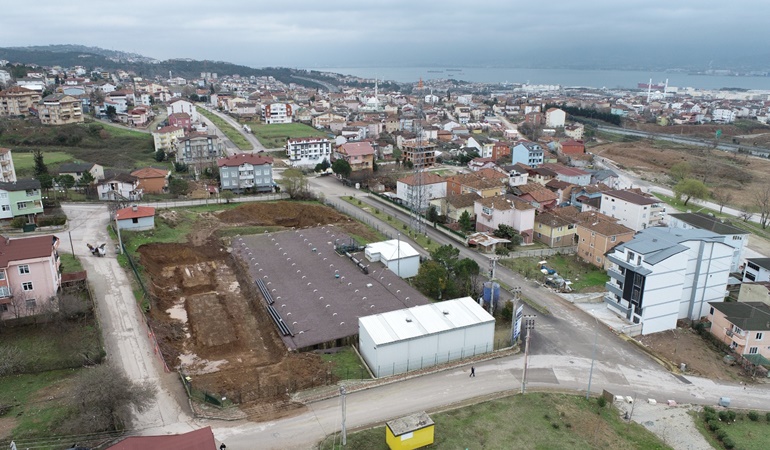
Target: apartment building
744, 326
29, 276
166, 138
632, 209
526, 152
757, 270
420, 153
508, 210
21, 198
60, 109
308, 151
597, 234
246, 171
17, 101
199, 150
666, 274
277, 113
420, 188
735, 237
7, 169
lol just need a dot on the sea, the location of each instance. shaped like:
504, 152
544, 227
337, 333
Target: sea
611, 79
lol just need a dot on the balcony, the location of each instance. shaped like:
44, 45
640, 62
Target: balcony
5, 162
613, 304
614, 288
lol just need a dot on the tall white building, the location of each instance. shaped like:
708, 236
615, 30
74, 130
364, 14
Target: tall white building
633, 210
7, 170
277, 113
666, 274
308, 151
732, 236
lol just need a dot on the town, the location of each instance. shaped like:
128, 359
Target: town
280, 241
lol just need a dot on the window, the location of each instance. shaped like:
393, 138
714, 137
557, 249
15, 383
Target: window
6, 207
135, 220
758, 336
3, 308
4, 291
711, 311
2, 275
753, 350
24, 268
27, 286
612, 239
750, 276
31, 303
225, 174
21, 205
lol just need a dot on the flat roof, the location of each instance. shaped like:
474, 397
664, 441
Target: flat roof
409, 423
424, 320
706, 222
393, 249
300, 269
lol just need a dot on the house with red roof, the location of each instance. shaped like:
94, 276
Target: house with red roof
426, 185
181, 120
491, 212
201, 439
360, 155
152, 180
135, 218
29, 276
242, 171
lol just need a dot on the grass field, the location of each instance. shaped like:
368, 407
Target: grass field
55, 345
24, 163
745, 434
346, 365
70, 263
275, 135
584, 277
536, 421
234, 135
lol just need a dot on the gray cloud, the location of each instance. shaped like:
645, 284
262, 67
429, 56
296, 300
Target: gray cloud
348, 32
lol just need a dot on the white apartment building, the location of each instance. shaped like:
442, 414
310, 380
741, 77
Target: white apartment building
722, 115
633, 210
732, 236
307, 152
555, 117
757, 270
180, 105
666, 274
7, 170
277, 113
409, 191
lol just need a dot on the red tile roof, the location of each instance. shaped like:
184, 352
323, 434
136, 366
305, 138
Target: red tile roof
202, 439
255, 159
25, 248
150, 172
357, 148
130, 213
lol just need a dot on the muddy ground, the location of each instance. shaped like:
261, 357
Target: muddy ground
208, 317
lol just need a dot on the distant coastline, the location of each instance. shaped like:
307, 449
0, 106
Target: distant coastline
627, 79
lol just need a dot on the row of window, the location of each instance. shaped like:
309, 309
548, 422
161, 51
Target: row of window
26, 286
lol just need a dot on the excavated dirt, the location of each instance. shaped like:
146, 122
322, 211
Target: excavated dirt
208, 316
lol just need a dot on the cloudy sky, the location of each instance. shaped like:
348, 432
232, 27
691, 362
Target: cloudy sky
335, 33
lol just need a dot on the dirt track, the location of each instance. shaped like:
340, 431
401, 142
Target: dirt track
205, 316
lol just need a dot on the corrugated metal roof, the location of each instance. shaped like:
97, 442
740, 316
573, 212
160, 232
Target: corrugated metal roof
424, 320
392, 249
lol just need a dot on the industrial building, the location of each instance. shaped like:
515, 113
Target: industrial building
423, 336
400, 257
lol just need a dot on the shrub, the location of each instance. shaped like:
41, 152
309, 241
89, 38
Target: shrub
767, 417
753, 416
18, 222
546, 416
709, 409
731, 416
46, 221
601, 401
728, 443
714, 425
555, 425
723, 416
721, 434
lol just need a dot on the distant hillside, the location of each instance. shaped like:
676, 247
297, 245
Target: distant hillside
110, 60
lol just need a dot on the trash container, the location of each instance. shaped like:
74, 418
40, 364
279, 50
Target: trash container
29, 227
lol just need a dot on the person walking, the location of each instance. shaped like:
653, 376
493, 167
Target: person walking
473, 372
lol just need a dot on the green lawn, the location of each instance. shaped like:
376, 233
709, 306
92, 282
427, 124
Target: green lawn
36, 402
745, 433
234, 135
584, 277
55, 345
276, 135
346, 365
70, 263
24, 162
533, 421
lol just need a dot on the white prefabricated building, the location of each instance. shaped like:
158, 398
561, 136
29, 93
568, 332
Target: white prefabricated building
400, 257
423, 336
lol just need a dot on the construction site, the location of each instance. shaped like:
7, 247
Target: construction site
239, 314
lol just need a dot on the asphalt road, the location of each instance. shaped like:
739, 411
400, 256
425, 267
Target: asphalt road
232, 148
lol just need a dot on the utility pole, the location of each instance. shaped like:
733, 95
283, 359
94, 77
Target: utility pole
117, 228
529, 325
593, 358
344, 431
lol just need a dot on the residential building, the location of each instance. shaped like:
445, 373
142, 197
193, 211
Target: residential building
526, 152
135, 218
166, 138
735, 237
554, 231
60, 109
744, 326
573, 147
308, 151
180, 105
757, 270
666, 274
7, 169
453, 206
360, 155
473, 183
180, 120
199, 150
555, 118
571, 175
152, 180
420, 153
632, 209
574, 131
246, 171
537, 195
324, 120
21, 198
431, 186
597, 234
29, 276
277, 113
121, 186
76, 170
508, 210
17, 101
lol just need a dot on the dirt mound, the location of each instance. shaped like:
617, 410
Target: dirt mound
287, 214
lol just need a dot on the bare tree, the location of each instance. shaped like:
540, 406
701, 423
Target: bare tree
104, 398
762, 205
722, 197
746, 214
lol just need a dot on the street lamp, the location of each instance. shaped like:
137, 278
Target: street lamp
593, 358
529, 325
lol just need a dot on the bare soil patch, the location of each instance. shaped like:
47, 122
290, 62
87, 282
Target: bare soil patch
207, 322
683, 345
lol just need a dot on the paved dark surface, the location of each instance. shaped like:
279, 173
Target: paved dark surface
300, 269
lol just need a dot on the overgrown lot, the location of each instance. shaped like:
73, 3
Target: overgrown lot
546, 421
745, 430
275, 135
585, 277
